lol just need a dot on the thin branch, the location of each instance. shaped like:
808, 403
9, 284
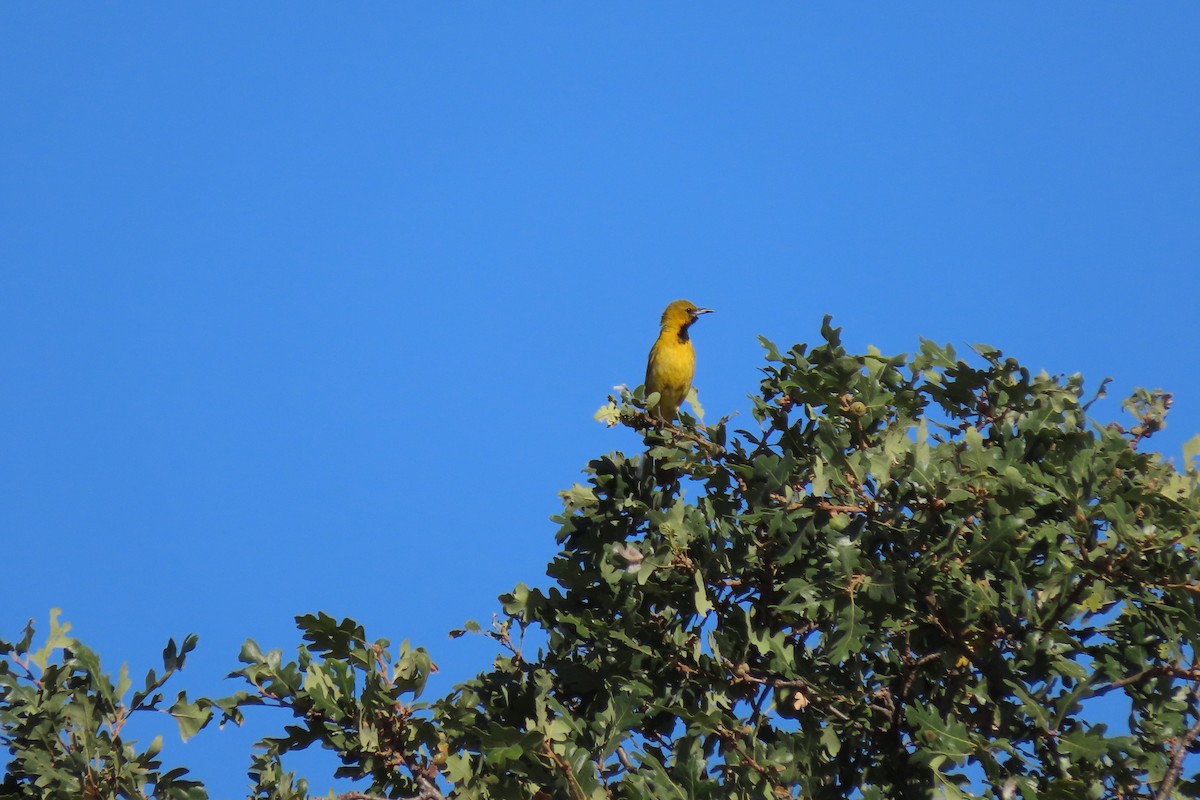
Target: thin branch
564, 767
1157, 671
1178, 753
939, 618
758, 707
1084, 581
822, 505
834, 508
23, 663
1189, 587
911, 669
428, 790
732, 739
781, 683
644, 421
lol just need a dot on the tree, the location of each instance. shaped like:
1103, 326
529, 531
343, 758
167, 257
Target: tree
913, 576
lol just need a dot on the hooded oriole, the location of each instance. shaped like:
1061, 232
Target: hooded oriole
672, 362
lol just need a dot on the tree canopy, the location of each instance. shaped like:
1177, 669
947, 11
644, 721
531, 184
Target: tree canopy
903, 576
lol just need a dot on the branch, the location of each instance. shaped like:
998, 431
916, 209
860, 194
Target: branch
823, 505
732, 739
564, 767
758, 706
428, 790
943, 624
1189, 587
644, 421
878, 709
834, 508
1178, 752
1158, 671
910, 671
781, 683
1085, 580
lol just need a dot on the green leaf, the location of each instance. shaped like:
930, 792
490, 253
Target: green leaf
820, 484
700, 596
190, 716
938, 735
578, 497
693, 398
57, 640
1191, 451
1087, 745
772, 350
609, 414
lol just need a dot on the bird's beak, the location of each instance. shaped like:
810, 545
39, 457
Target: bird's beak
700, 311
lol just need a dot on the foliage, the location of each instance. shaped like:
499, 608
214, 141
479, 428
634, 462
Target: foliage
914, 576
61, 719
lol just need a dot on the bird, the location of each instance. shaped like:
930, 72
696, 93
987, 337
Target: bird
672, 361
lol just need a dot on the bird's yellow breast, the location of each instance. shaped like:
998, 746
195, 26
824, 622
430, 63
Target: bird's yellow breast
670, 370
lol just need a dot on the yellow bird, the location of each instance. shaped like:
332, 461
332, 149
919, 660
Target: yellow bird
672, 362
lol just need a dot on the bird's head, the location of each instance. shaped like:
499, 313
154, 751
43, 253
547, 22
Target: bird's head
682, 313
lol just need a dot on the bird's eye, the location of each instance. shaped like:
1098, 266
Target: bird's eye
691, 309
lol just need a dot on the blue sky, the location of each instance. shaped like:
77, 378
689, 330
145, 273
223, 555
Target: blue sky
308, 308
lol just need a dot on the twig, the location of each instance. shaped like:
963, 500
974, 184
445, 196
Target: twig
428, 790
1085, 580
648, 422
834, 508
910, 675
781, 683
758, 706
1158, 671
1189, 587
823, 505
732, 739
1178, 753
23, 663
564, 767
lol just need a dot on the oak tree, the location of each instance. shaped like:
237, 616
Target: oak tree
900, 577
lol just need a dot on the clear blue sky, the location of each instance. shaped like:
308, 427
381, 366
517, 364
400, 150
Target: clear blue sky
308, 307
